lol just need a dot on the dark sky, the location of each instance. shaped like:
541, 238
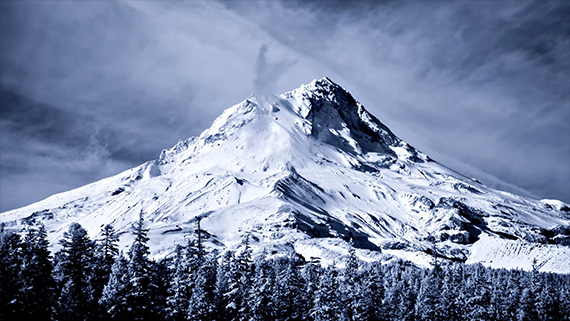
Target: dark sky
90, 88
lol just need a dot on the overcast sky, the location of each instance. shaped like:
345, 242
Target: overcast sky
90, 88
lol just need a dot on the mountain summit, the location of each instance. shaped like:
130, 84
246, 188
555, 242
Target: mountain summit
312, 171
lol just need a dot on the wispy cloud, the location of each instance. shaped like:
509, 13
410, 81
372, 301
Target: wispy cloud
479, 83
267, 73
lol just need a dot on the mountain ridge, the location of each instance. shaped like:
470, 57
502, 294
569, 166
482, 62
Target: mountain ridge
312, 170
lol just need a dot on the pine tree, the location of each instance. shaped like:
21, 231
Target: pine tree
179, 292
186, 264
11, 303
108, 247
546, 306
202, 303
311, 272
373, 290
354, 292
240, 281
131, 290
526, 310
74, 272
140, 299
260, 294
114, 296
161, 279
458, 306
36, 275
426, 306
199, 246
445, 305
326, 305
106, 251
478, 288
392, 295
223, 281
563, 302
400, 296
289, 297
513, 303
235, 293
409, 296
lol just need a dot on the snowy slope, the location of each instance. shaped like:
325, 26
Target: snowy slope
310, 171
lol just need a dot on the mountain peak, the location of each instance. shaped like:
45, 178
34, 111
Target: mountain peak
326, 88
321, 110
325, 81
337, 118
310, 171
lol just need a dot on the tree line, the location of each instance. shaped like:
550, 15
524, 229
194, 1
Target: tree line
93, 280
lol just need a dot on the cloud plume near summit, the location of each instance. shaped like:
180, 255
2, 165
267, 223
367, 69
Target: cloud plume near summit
267, 73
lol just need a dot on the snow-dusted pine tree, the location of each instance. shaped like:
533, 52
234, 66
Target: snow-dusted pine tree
74, 272
139, 266
36, 275
11, 301
239, 283
113, 299
202, 303
261, 292
290, 301
106, 251
326, 305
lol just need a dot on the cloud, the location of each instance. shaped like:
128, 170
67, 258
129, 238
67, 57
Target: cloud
267, 74
484, 85
43, 146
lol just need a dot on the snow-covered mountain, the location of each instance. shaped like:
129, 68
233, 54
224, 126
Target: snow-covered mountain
311, 170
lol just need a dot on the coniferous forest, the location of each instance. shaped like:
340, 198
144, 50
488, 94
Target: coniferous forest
92, 280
